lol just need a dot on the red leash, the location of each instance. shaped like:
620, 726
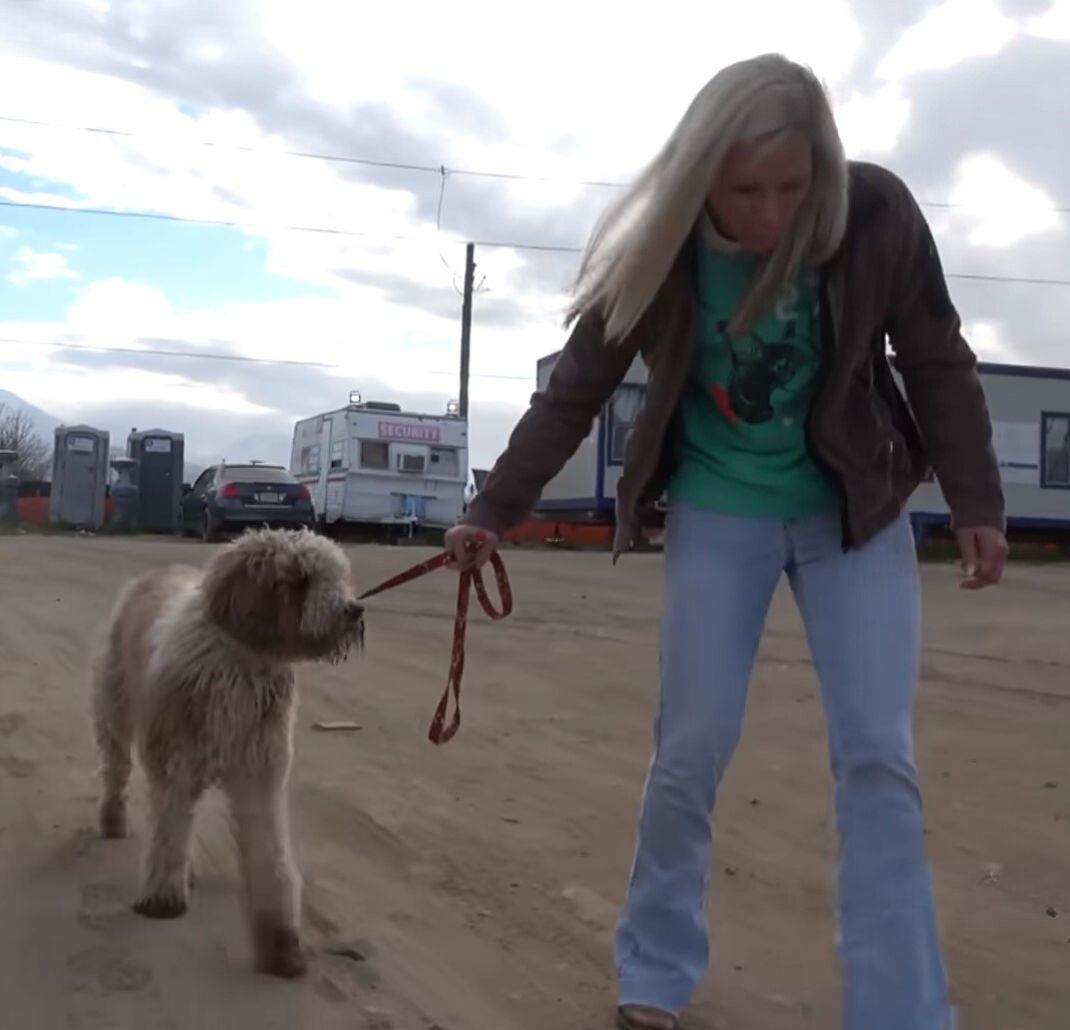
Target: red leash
439, 732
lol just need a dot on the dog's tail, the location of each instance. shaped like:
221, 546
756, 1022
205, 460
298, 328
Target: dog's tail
113, 728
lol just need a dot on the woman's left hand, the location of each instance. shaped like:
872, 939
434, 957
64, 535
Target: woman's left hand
984, 552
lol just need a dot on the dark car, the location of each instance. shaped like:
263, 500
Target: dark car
234, 497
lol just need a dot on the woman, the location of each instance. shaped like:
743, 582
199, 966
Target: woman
758, 274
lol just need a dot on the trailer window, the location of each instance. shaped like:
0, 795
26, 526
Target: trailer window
374, 454
337, 454
624, 409
310, 459
444, 461
1055, 445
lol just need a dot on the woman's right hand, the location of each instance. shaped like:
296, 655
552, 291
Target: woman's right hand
470, 547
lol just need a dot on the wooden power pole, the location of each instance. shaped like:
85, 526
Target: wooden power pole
466, 326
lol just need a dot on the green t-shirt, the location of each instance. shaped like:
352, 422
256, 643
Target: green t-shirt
742, 419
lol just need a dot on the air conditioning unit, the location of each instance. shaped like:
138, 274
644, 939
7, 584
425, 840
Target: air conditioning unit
409, 462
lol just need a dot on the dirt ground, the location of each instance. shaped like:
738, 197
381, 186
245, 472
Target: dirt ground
474, 887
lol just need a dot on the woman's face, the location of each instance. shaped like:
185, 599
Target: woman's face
759, 189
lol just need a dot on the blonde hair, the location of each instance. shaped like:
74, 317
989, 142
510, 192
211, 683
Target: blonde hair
637, 240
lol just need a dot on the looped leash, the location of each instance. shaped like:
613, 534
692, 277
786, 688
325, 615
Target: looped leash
439, 732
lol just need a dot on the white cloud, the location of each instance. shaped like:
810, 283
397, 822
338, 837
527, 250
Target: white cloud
945, 35
8, 232
68, 390
357, 332
996, 206
988, 342
34, 265
1054, 23
593, 102
546, 129
119, 310
871, 123
611, 69
170, 171
361, 336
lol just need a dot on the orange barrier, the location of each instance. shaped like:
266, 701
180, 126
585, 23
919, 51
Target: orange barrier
34, 510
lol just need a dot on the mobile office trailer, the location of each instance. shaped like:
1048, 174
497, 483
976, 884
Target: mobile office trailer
375, 463
1030, 410
585, 490
1029, 407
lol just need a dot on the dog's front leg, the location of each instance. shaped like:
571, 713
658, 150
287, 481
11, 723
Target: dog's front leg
272, 883
165, 878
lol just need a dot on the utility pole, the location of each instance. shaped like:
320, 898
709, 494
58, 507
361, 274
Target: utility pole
466, 326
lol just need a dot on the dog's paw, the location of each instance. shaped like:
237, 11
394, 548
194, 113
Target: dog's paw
279, 952
161, 906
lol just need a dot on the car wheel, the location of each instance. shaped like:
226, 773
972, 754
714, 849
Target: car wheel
209, 530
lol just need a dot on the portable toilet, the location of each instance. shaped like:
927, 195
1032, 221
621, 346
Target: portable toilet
79, 476
160, 456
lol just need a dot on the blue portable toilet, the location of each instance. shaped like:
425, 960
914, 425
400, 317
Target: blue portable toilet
160, 459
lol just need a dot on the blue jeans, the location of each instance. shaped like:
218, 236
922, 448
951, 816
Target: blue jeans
861, 610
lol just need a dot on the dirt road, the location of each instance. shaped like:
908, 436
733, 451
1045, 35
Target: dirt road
474, 887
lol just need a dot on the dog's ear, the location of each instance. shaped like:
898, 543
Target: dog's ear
249, 593
234, 594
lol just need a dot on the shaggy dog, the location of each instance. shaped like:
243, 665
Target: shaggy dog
196, 669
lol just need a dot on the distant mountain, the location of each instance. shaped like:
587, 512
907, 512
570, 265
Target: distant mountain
44, 424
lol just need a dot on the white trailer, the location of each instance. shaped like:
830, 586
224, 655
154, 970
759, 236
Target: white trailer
375, 463
1030, 410
585, 490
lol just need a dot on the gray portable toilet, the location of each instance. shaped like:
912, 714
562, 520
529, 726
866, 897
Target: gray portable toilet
79, 476
160, 456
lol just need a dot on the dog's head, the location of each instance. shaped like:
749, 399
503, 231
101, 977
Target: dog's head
285, 594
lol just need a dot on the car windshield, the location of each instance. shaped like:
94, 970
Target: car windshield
256, 474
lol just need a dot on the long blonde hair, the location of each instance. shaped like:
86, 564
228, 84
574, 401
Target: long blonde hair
635, 243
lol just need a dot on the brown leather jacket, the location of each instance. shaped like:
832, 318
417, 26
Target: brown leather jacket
885, 281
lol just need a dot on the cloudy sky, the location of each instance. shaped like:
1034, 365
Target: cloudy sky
211, 102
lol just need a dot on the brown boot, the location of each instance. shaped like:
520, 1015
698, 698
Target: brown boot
643, 1017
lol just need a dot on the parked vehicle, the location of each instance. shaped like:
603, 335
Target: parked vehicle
231, 497
377, 464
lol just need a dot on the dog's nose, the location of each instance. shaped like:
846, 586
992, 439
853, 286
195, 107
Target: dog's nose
355, 611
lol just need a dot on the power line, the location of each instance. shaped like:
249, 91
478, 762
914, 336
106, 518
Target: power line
215, 356
160, 352
545, 248
1029, 280
1058, 209
404, 166
160, 216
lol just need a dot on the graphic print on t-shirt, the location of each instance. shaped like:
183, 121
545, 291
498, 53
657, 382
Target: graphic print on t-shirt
757, 370
742, 444
762, 375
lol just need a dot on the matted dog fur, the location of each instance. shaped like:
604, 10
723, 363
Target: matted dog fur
196, 670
